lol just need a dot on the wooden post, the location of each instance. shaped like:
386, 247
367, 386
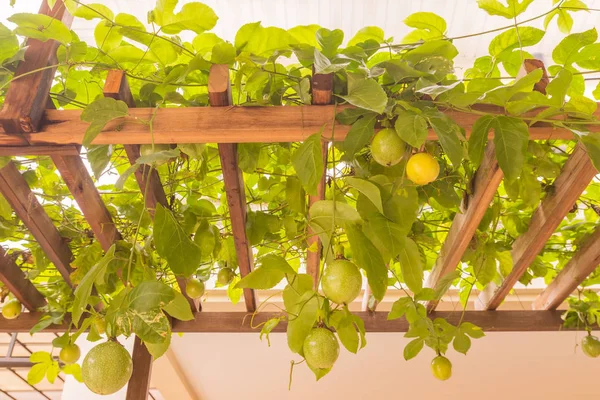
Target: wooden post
322, 94
139, 384
576, 175
16, 191
16, 282
117, 87
219, 94
583, 263
26, 98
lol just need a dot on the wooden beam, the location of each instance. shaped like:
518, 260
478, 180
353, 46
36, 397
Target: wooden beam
484, 186
322, 94
139, 384
16, 191
82, 187
244, 125
575, 176
239, 322
14, 279
219, 94
68, 150
27, 95
117, 87
583, 263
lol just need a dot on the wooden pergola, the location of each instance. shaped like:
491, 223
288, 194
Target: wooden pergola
31, 127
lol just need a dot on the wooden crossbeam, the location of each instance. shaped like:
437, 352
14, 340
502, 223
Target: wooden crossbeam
117, 87
80, 183
17, 283
322, 94
239, 322
575, 176
139, 384
219, 94
583, 263
485, 184
67, 150
15, 189
244, 125
27, 95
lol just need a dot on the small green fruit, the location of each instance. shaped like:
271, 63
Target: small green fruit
441, 368
387, 148
70, 354
225, 276
321, 348
106, 368
341, 281
194, 288
11, 310
591, 346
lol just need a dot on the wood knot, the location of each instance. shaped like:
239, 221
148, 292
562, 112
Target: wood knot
26, 124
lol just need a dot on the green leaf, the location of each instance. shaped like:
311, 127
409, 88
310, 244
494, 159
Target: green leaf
99, 113
99, 158
479, 138
461, 343
223, 53
197, 17
369, 189
449, 135
150, 295
365, 93
265, 42
412, 128
484, 265
367, 257
52, 371
268, 327
174, 244
472, 330
360, 134
179, 308
94, 10
84, 289
329, 41
345, 325
108, 37
511, 136
591, 142
301, 319
9, 44
400, 307
502, 94
37, 373
411, 265
428, 21
413, 348
515, 38
272, 270
157, 350
564, 20
513, 9
567, 51
367, 33
308, 163
295, 195
41, 27
324, 66
325, 212
244, 34
444, 284
424, 86
74, 370
40, 357
151, 326
386, 235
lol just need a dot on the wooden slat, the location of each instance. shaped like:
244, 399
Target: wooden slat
239, 322
26, 98
117, 87
14, 279
484, 187
15, 189
68, 150
322, 94
139, 384
576, 175
82, 187
583, 263
244, 125
219, 94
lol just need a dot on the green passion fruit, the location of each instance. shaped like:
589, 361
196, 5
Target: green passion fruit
591, 346
441, 368
194, 288
387, 148
70, 354
106, 368
225, 276
341, 281
11, 310
321, 348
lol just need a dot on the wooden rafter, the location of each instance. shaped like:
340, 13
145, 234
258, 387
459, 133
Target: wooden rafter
139, 384
244, 125
22, 111
219, 94
17, 283
68, 150
484, 185
322, 94
15, 189
240, 322
117, 87
575, 176
583, 263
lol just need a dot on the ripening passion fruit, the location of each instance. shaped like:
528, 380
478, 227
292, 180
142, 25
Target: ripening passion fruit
321, 348
387, 148
441, 368
422, 169
341, 281
194, 288
11, 310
